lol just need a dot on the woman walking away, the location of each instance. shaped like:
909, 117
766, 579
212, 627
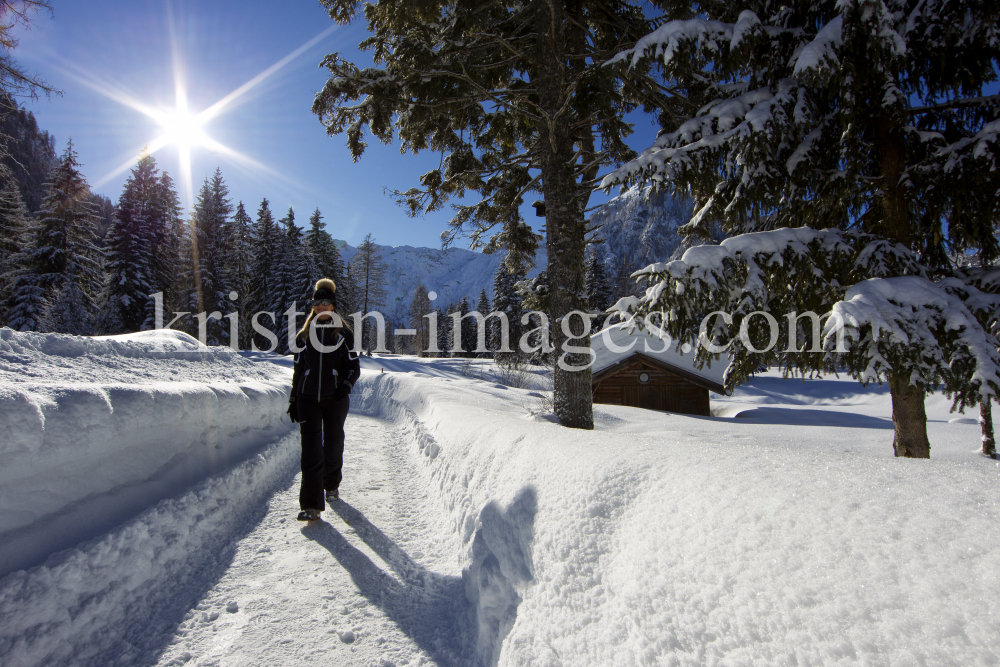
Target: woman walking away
325, 372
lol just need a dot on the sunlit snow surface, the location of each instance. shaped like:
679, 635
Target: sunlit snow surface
781, 531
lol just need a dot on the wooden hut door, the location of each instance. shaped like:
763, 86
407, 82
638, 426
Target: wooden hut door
653, 397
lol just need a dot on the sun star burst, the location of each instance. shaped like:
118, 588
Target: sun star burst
181, 128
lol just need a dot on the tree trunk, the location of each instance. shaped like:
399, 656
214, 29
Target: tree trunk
986, 422
909, 418
908, 413
895, 208
564, 219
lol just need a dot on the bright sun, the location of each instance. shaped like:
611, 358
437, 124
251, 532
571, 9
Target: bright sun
183, 129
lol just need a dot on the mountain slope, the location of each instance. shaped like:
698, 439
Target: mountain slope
637, 228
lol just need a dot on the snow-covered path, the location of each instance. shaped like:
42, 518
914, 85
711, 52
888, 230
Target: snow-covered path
376, 583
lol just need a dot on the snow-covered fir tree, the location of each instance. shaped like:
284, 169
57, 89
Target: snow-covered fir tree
210, 279
443, 331
240, 265
14, 223
506, 300
171, 237
832, 114
265, 242
467, 330
291, 282
347, 293
59, 273
128, 251
323, 250
883, 317
483, 306
538, 112
446, 330
105, 217
598, 291
862, 114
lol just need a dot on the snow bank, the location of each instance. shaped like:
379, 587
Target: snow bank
95, 430
662, 539
108, 601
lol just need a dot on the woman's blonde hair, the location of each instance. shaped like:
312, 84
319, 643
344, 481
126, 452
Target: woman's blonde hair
322, 283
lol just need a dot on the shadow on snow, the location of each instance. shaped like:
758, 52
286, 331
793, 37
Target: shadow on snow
429, 608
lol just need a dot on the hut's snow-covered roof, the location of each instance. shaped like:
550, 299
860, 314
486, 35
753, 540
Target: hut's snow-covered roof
616, 343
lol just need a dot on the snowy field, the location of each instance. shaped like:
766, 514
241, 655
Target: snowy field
474, 530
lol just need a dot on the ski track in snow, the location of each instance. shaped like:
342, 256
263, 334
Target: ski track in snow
377, 582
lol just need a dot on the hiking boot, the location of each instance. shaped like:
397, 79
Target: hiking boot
308, 515
332, 496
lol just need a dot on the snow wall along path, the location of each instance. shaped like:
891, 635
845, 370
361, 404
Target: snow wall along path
661, 539
180, 442
497, 539
94, 430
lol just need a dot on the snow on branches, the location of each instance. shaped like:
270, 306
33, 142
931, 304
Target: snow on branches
924, 328
829, 114
848, 302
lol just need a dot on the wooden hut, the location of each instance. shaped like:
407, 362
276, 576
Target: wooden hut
634, 369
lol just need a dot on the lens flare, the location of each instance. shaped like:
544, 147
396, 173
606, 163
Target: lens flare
180, 127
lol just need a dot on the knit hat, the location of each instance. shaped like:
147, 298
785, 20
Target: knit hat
326, 290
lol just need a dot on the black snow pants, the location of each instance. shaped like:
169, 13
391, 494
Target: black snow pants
322, 428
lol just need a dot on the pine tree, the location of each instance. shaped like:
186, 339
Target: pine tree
210, 277
58, 274
448, 326
467, 330
538, 112
370, 274
885, 319
128, 252
166, 229
265, 243
14, 224
444, 331
172, 250
291, 280
323, 249
105, 217
347, 293
282, 279
29, 153
419, 307
506, 300
598, 292
483, 307
863, 114
240, 265
241, 251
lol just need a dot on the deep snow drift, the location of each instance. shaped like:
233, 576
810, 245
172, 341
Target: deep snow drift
664, 539
781, 531
94, 430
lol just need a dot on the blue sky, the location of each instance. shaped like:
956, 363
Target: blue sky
126, 45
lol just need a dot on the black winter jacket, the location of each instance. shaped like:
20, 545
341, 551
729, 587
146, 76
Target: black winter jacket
317, 374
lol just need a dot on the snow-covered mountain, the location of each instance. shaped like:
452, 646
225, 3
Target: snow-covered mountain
634, 229
451, 273
638, 228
